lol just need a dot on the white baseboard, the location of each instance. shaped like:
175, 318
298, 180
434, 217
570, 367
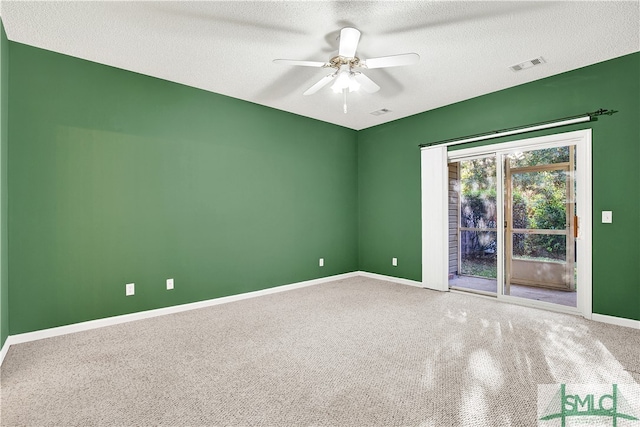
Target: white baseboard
115, 320
620, 321
4, 350
390, 279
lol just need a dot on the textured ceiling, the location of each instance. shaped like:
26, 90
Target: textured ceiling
466, 48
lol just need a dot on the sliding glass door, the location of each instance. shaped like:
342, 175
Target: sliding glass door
519, 221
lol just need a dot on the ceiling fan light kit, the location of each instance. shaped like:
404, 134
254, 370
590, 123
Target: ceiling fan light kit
345, 80
344, 77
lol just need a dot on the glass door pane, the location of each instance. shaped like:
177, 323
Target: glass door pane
539, 231
472, 225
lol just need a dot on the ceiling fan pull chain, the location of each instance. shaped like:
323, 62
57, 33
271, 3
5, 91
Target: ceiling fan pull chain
344, 98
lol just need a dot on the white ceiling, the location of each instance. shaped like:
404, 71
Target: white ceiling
466, 48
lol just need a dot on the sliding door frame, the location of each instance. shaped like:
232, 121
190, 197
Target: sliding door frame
583, 194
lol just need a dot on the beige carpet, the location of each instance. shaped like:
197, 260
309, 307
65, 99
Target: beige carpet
355, 352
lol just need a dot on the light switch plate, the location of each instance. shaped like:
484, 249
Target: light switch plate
321, 262
130, 289
394, 262
169, 284
607, 217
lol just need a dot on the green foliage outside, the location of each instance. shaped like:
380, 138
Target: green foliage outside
482, 266
539, 202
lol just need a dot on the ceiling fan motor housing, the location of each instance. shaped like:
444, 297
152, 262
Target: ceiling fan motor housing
337, 61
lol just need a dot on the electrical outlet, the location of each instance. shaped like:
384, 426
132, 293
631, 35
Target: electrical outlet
394, 262
321, 262
169, 284
130, 289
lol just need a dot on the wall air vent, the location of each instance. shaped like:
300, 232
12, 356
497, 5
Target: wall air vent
527, 64
381, 112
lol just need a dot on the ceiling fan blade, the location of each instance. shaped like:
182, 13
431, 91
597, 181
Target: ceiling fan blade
349, 38
322, 83
392, 61
366, 84
301, 63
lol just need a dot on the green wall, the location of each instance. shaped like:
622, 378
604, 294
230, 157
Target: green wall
389, 171
117, 177
4, 140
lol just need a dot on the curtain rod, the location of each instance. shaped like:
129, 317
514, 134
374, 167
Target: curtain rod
586, 117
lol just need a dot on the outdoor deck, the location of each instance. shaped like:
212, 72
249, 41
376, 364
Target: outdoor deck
539, 294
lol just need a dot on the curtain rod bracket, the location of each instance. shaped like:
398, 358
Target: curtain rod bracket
602, 112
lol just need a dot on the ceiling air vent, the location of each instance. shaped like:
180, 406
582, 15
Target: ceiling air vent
381, 112
527, 64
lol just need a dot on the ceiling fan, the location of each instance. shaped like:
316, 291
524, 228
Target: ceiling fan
346, 66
